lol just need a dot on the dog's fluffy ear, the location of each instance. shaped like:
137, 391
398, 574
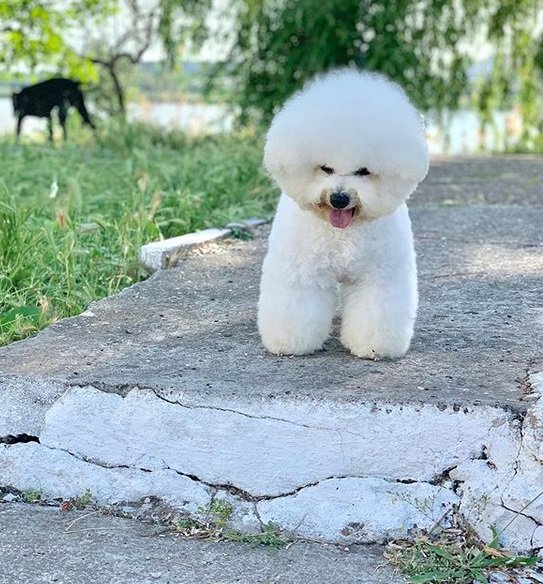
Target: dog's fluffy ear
273, 159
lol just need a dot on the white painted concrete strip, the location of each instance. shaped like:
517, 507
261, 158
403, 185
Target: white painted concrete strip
160, 255
163, 254
59, 474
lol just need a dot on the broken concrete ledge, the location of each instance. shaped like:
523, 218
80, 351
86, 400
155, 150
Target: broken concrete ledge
165, 393
324, 472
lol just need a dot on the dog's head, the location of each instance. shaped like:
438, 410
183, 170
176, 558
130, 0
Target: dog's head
349, 147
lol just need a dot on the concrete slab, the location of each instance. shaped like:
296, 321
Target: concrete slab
40, 545
167, 384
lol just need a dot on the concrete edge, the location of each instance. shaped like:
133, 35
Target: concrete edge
164, 254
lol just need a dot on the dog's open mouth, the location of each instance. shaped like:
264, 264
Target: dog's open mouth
341, 217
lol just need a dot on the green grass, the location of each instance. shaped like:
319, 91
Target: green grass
31, 496
83, 500
213, 525
73, 217
452, 559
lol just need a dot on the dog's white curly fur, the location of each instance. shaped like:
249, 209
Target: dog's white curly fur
321, 146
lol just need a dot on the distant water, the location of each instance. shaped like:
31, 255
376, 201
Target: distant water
459, 135
192, 118
7, 121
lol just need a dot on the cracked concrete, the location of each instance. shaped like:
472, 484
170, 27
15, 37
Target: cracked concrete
165, 392
142, 431
508, 489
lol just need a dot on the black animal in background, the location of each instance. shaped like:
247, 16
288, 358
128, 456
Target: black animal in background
40, 100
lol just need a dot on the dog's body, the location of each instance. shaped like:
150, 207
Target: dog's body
40, 99
347, 152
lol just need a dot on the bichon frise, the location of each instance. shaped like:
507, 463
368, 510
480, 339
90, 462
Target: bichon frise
347, 151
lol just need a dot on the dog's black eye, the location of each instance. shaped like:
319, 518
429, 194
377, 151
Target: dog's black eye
326, 169
363, 171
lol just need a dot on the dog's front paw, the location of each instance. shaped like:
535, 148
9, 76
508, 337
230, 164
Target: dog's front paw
294, 320
376, 345
283, 336
293, 345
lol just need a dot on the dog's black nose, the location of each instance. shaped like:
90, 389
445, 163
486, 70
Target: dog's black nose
339, 200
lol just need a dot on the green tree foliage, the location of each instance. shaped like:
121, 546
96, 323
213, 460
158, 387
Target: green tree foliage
182, 22
48, 32
516, 77
425, 45
34, 32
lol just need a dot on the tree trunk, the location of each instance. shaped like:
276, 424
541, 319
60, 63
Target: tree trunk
119, 90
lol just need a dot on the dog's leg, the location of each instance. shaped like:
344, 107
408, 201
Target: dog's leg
294, 319
19, 127
62, 119
380, 304
50, 128
379, 312
378, 319
79, 102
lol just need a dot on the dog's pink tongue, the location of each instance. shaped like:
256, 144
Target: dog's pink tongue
340, 217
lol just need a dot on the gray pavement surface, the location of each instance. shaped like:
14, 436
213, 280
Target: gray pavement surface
40, 545
193, 330
492, 180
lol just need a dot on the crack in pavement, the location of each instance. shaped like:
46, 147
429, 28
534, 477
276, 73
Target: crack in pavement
11, 439
233, 489
416, 407
521, 514
129, 387
251, 416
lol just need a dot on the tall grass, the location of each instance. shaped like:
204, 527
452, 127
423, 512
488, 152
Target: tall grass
73, 217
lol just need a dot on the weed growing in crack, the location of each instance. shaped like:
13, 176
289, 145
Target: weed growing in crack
186, 525
269, 536
452, 557
440, 514
219, 513
83, 500
241, 232
32, 495
214, 527
425, 506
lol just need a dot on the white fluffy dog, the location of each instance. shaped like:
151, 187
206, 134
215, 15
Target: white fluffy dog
347, 151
